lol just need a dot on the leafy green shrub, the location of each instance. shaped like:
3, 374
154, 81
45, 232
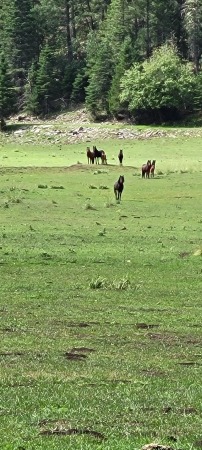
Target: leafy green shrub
162, 86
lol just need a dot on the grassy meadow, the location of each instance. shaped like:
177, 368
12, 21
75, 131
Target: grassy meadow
100, 302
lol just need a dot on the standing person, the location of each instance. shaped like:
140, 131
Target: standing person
120, 156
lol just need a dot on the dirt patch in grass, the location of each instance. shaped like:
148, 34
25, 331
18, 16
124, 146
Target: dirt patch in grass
184, 254
83, 349
146, 325
17, 353
75, 356
153, 373
174, 339
189, 363
78, 324
72, 431
186, 411
198, 443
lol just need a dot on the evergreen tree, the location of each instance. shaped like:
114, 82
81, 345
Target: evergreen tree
126, 55
193, 23
100, 77
42, 80
7, 96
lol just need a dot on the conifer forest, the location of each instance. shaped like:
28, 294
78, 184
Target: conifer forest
137, 58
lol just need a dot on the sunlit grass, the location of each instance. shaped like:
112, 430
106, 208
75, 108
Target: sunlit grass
100, 302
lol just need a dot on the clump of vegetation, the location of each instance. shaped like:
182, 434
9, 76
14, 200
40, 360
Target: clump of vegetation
57, 187
102, 283
92, 186
98, 283
16, 200
103, 187
88, 206
122, 284
99, 171
109, 205
198, 252
42, 186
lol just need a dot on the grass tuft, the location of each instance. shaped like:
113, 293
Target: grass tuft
42, 186
103, 187
98, 283
89, 206
109, 205
121, 284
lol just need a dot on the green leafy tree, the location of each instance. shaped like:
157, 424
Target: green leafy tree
163, 83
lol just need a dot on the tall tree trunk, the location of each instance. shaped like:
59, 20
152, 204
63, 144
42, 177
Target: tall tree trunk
68, 30
148, 44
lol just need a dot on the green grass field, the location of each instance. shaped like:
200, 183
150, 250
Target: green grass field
100, 304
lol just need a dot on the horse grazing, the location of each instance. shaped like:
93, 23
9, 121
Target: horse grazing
104, 158
152, 169
90, 156
120, 156
118, 187
146, 169
97, 154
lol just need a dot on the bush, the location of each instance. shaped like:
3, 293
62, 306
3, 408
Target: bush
162, 87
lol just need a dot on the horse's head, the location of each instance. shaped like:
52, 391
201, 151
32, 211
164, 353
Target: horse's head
88, 149
121, 179
153, 162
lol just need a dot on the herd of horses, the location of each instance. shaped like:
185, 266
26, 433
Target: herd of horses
96, 155
148, 169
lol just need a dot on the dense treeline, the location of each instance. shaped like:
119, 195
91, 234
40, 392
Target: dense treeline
137, 57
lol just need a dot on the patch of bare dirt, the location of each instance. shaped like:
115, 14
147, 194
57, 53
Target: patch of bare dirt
59, 431
153, 373
146, 326
154, 446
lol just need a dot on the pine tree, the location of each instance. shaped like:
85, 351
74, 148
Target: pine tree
100, 77
7, 96
43, 86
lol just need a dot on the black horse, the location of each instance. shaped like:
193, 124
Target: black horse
146, 169
118, 187
97, 154
120, 156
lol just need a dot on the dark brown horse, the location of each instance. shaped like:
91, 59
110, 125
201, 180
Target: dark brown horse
152, 169
118, 187
90, 156
97, 154
146, 169
120, 156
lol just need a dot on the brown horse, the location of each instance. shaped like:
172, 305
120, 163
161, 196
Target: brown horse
90, 156
118, 187
146, 169
152, 169
104, 158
